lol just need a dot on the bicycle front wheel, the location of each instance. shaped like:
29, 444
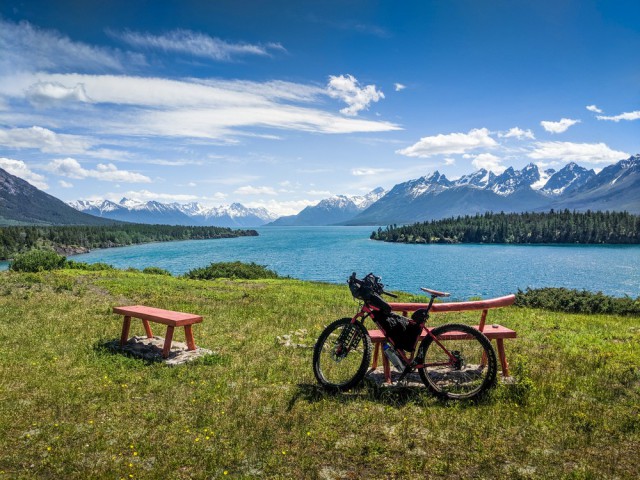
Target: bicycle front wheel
342, 355
458, 362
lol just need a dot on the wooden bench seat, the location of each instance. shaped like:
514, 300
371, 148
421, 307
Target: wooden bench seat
166, 317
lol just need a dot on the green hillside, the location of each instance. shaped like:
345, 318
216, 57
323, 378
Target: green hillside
23, 204
72, 409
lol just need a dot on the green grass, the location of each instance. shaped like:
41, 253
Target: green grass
69, 408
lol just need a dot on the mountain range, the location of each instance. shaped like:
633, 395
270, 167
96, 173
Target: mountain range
234, 215
615, 188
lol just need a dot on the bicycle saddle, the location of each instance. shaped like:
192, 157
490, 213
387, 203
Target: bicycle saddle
435, 293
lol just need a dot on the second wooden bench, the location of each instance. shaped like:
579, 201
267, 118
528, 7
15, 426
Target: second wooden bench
166, 317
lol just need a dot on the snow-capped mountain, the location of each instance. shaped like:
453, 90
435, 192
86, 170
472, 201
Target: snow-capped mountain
128, 210
332, 210
568, 179
511, 180
616, 187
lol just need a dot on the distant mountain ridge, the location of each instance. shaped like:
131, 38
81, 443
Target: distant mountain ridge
234, 215
23, 204
616, 187
332, 210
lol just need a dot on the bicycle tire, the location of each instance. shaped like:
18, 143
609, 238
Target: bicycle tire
336, 367
471, 375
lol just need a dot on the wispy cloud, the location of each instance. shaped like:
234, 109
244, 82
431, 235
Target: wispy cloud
518, 133
286, 207
363, 172
488, 161
596, 153
348, 89
593, 108
70, 167
195, 44
558, 127
214, 111
21, 170
635, 115
399, 86
29, 48
250, 190
146, 196
449, 144
45, 140
48, 93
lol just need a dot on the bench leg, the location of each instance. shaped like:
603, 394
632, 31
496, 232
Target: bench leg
387, 369
167, 342
503, 357
376, 351
124, 336
188, 333
147, 328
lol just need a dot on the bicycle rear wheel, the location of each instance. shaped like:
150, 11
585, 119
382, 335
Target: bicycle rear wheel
342, 355
459, 363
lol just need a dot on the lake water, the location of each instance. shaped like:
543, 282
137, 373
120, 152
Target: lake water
330, 254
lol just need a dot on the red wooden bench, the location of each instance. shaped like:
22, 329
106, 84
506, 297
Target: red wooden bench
166, 317
492, 332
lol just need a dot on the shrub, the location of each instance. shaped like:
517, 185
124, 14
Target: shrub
88, 266
247, 271
37, 261
156, 271
576, 301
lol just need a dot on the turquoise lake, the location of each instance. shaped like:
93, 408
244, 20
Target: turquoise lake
330, 254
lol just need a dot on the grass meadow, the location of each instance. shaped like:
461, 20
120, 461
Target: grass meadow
70, 408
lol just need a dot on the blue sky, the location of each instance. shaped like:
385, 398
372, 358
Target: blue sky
280, 104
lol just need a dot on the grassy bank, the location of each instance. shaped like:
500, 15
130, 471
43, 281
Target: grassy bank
71, 409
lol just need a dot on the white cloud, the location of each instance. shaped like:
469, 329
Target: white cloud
29, 48
47, 93
71, 168
144, 196
64, 184
215, 111
518, 133
363, 172
44, 140
488, 161
249, 190
449, 161
399, 86
593, 108
21, 170
319, 193
635, 115
348, 89
450, 144
281, 208
196, 44
576, 152
560, 126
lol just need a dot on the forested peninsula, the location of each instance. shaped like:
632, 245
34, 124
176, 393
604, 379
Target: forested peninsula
521, 228
74, 239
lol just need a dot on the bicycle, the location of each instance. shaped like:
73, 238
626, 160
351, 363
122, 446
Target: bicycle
454, 361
